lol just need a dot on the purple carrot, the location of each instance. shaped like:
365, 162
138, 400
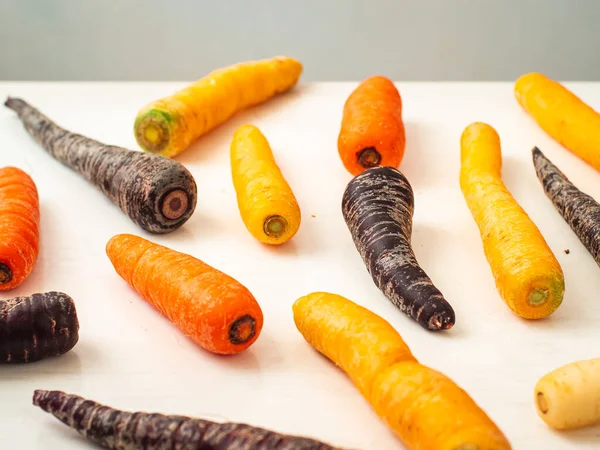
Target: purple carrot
114, 429
37, 327
156, 193
577, 208
378, 207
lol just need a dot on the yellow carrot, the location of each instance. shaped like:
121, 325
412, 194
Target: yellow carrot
562, 115
265, 200
170, 125
569, 397
425, 408
526, 272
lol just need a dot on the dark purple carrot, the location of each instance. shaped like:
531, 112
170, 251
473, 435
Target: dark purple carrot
378, 207
37, 327
577, 208
114, 429
157, 193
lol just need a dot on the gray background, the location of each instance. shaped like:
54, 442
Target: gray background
335, 39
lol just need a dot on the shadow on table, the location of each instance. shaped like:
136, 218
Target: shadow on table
244, 361
589, 435
219, 138
69, 363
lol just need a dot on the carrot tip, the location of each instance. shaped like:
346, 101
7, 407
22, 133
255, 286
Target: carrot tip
5, 273
275, 226
542, 403
242, 330
441, 321
174, 204
12, 103
369, 157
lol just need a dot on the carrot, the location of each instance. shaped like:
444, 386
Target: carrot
266, 202
170, 125
425, 409
37, 327
578, 209
210, 307
527, 275
122, 430
372, 131
19, 227
378, 207
565, 117
156, 193
569, 397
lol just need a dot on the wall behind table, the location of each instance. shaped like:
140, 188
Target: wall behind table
335, 39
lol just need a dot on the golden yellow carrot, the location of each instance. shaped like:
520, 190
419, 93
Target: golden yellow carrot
425, 408
170, 125
562, 115
265, 200
527, 274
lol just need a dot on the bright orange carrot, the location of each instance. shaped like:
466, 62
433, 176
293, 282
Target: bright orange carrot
213, 309
562, 115
425, 408
19, 227
372, 132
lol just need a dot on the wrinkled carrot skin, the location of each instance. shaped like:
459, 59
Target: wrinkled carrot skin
210, 307
426, 409
372, 122
527, 274
19, 227
565, 117
265, 200
170, 125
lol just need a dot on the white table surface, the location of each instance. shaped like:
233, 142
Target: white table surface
131, 357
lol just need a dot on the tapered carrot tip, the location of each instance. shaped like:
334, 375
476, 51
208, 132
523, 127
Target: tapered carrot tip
5, 273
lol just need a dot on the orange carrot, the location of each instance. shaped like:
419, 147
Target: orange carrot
210, 307
372, 132
19, 227
425, 408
